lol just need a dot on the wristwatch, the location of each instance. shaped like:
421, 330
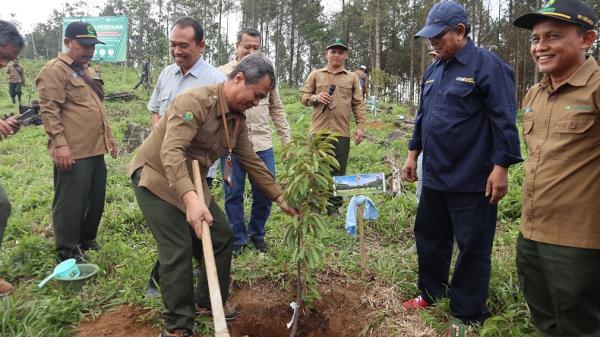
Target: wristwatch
313, 99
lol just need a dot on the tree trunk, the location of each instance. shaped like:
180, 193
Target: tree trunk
411, 78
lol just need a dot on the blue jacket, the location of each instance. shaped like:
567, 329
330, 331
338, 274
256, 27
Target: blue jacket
466, 120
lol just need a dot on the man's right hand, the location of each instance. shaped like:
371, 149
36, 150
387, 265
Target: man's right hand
62, 157
324, 98
409, 171
196, 212
7, 127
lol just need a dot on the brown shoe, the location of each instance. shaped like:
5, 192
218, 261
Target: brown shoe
231, 311
5, 288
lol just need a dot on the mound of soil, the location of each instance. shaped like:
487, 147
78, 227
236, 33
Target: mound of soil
121, 322
264, 312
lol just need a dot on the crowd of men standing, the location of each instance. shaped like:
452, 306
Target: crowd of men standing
465, 131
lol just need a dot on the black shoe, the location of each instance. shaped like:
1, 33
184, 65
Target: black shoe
90, 245
260, 245
238, 250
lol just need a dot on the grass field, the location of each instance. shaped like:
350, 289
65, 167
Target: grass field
27, 254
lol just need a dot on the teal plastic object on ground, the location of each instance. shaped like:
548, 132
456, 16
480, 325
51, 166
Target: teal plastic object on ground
66, 269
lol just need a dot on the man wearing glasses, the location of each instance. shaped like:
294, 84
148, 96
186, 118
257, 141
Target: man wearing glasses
466, 129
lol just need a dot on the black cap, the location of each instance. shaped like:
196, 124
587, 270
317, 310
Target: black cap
442, 15
572, 11
337, 42
83, 32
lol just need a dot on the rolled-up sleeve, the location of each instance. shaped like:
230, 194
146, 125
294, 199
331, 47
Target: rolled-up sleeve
180, 131
154, 102
501, 106
51, 89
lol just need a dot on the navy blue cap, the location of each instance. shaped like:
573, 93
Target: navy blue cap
442, 15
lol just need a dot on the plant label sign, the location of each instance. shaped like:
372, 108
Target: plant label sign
359, 184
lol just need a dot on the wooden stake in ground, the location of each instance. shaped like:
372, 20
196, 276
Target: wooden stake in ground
216, 300
361, 238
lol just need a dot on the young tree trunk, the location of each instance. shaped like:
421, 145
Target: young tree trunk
299, 282
411, 78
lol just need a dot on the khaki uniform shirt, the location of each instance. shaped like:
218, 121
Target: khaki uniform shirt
72, 112
347, 97
561, 190
193, 129
14, 74
257, 118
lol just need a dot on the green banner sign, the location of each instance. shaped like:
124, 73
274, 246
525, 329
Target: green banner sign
112, 30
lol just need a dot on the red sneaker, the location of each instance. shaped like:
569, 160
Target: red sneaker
415, 303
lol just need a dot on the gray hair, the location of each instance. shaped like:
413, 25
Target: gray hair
248, 31
255, 67
10, 35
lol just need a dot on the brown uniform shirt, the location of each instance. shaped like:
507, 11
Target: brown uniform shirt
347, 97
14, 73
72, 112
561, 191
193, 129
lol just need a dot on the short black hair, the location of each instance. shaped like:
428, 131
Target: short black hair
188, 21
455, 29
248, 31
10, 35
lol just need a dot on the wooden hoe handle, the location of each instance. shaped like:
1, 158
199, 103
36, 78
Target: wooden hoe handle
216, 301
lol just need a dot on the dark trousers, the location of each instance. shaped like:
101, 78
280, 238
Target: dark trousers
560, 285
470, 218
4, 212
342, 151
14, 89
78, 204
176, 244
234, 201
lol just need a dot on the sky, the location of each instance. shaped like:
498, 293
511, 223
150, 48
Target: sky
30, 12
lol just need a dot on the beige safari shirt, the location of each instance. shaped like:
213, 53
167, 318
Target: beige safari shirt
72, 112
14, 73
562, 170
347, 97
257, 118
193, 129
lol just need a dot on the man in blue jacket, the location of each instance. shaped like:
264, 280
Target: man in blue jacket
466, 129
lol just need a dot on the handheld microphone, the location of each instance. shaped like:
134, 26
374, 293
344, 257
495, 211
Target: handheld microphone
330, 92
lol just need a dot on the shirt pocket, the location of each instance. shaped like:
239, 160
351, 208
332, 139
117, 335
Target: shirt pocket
576, 138
527, 127
76, 91
343, 91
460, 99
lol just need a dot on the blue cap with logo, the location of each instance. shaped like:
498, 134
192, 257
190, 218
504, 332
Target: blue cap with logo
442, 15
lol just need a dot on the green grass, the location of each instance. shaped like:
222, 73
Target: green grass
128, 247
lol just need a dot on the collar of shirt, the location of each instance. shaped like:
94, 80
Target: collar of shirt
579, 78
66, 58
196, 69
327, 69
223, 106
463, 56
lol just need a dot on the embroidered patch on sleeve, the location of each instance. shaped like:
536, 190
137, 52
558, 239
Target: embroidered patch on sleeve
188, 116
